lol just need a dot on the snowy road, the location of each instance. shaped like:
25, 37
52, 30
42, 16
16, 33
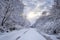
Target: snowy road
24, 34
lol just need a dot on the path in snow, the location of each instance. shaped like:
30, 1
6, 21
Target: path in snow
24, 34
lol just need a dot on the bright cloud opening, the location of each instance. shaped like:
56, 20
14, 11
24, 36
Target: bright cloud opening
33, 15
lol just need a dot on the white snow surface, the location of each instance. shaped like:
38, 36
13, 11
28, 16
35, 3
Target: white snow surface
23, 34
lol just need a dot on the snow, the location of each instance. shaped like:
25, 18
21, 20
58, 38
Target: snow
32, 35
11, 15
24, 34
28, 34
17, 19
52, 37
12, 35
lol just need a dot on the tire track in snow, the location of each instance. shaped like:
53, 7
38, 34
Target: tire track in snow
21, 35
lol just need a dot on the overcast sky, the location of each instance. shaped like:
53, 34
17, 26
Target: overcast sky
33, 8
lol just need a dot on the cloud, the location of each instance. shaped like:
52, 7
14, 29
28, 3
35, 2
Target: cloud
34, 8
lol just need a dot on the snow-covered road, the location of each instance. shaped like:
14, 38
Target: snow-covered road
24, 34
28, 34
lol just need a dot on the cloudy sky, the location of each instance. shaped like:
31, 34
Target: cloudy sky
34, 8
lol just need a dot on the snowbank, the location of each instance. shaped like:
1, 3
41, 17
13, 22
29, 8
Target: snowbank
24, 34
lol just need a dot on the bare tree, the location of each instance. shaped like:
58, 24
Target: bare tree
7, 9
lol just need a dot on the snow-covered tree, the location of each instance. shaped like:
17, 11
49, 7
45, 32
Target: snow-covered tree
51, 23
11, 14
